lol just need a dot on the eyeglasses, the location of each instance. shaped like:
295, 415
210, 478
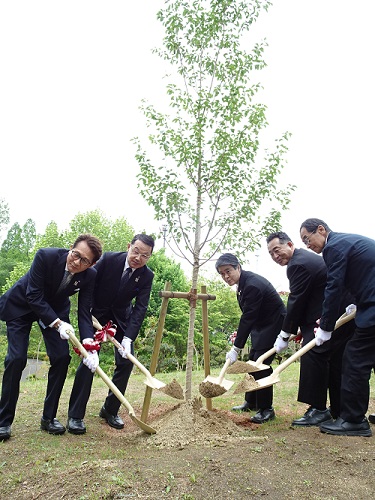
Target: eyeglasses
137, 253
306, 238
77, 256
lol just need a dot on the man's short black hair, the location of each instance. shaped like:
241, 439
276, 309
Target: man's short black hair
227, 259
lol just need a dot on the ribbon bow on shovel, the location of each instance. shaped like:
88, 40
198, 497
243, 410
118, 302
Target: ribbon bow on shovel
172, 389
77, 344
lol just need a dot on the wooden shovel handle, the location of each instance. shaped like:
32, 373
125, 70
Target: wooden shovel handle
342, 319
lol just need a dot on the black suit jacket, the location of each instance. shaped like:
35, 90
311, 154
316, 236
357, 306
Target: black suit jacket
350, 260
113, 303
36, 292
262, 309
307, 274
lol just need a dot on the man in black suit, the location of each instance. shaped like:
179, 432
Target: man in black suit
320, 368
122, 277
263, 313
42, 295
350, 261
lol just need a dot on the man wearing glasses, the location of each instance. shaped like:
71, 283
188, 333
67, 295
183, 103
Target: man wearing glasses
42, 295
350, 261
122, 293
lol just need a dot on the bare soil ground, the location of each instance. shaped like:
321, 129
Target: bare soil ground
195, 454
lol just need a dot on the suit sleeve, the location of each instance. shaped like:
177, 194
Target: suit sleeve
336, 262
139, 310
251, 303
35, 292
300, 282
85, 298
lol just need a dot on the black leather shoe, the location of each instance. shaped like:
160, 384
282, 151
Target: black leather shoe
341, 428
371, 418
313, 417
112, 420
263, 416
244, 407
5, 432
52, 426
76, 426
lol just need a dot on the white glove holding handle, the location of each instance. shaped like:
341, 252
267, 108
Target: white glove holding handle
281, 342
321, 336
92, 360
126, 347
63, 328
351, 308
232, 354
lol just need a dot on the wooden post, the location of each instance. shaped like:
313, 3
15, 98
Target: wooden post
167, 294
155, 354
206, 343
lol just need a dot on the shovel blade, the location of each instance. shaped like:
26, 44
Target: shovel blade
227, 384
154, 383
267, 382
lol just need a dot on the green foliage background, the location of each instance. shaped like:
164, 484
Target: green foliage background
16, 255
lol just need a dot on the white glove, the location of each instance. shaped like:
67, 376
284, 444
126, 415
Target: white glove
351, 308
281, 342
92, 360
232, 355
126, 347
321, 336
63, 328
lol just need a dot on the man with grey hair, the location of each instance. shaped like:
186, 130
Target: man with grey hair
350, 261
262, 316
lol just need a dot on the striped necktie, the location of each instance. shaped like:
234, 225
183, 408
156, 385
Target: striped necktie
126, 275
64, 282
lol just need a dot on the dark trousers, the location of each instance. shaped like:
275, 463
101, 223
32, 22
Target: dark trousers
262, 399
18, 334
358, 363
321, 370
83, 382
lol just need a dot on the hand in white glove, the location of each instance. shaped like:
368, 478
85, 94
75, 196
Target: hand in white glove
63, 328
126, 347
351, 308
321, 336
92, 360
281, 342
232, 355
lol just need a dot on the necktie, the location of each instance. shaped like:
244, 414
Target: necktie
126, 275
64, 282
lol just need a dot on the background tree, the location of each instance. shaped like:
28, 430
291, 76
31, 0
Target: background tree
213, 185
4, 214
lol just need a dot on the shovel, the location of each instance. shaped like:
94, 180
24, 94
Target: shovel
253, 366
112, 387
250, 384
216, 386
172, 389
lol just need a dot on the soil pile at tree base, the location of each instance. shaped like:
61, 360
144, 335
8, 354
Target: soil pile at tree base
190, 423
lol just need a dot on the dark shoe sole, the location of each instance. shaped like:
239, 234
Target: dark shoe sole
262, 421
371, 419
363, 433
307, 424
76, 431
54, 433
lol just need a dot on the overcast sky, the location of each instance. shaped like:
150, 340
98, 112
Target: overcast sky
73, 74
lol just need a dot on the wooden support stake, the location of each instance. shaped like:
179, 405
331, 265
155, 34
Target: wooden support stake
206, 343
155, 354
